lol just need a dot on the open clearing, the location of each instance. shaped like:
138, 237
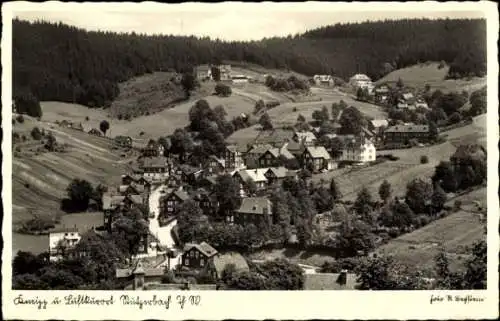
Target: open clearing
455, 233
418, 76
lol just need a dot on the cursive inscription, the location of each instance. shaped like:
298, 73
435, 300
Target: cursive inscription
36, 301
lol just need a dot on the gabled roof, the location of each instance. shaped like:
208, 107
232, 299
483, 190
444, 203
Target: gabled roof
255, 205
203, 247
259, 148
182, 195
235, 258
111, 201
379, 123
139, 269
294, 147
136, 199
307, 136
257, 175
279, 172
412, 128
236, 148
360, 77
318, 152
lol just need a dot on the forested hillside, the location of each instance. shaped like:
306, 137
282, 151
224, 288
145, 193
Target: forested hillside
64, 63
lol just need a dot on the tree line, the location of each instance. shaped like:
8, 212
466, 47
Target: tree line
54, 61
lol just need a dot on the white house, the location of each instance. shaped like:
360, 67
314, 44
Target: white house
361, 81
359, 150
325, 80
239, 79
62, 241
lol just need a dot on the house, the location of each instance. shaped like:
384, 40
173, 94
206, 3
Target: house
254, 152
361, 81
173, 181
317, 158
253, 210
381, 94
133, 200
239, 79
123, 141
323, 80
402, 134
62, 243
129, 189
255, 175
153, 149
111, 205
308, 138
207, 202
233, 157
172, 201
375, 125
214, 165
139, 275
219, 262
420, 103
156, 168
203, 72
275, 157
275, 175
190, 174
330, 281
127, 179
406, 101
295, 148
95, 132
196, 256
359, 150
225, 72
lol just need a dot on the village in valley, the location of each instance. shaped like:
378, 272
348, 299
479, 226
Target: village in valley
319, 183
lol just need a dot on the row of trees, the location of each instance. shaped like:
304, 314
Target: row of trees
87, 66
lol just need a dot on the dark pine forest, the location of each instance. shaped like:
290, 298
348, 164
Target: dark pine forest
59, 62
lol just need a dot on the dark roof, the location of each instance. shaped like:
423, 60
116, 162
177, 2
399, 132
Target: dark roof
408, 129
259, 148
275, 136
255, 205
203, 247
328, 281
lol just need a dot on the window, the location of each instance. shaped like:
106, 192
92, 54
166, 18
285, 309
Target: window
202, 261
186, 261
196, 255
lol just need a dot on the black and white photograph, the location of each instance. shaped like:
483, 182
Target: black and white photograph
251, 146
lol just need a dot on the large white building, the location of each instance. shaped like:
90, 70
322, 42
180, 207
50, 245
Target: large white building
62, 241
361, 81
359, 150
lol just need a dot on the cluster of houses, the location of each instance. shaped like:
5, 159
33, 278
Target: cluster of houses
205, 73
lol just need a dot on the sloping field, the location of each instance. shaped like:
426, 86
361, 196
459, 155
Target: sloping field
39, 181
455, 233
418, 76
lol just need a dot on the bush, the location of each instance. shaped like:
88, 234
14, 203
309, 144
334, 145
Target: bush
424, 159
36, 133
87, 118
120, 116
294, 109
141, 133
223, 90
127, 117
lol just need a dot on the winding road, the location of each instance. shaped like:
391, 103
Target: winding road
162, 233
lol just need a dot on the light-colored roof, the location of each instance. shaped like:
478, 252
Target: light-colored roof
408, 96
136, 199
222, 260
308, 136
111, 201
318, 152
177, 287
255, 205
280, 172
203, 247
379, 123
328, 281
64, 230
256, 175
412, 128
360, 77
237, 148
151, 162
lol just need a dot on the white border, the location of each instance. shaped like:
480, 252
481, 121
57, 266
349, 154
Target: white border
265, 304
